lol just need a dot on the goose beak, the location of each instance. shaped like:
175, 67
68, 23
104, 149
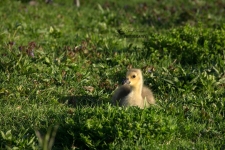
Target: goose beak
127, 81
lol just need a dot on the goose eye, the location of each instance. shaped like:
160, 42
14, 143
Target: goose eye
133, 76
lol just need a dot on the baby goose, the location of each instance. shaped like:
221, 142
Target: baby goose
133, 92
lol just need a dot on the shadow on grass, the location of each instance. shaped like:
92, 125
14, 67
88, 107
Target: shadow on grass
84, 100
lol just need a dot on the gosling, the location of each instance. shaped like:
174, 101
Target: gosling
133, 92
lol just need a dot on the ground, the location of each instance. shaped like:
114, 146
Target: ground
60, 64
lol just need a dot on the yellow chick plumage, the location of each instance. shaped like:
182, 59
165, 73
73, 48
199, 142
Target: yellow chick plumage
133, 92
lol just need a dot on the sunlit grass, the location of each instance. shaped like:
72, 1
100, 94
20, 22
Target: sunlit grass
60, 64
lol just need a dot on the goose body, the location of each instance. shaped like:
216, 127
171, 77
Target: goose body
133, 92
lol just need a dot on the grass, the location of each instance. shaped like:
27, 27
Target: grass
59, 66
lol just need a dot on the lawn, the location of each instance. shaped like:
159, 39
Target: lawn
60, 64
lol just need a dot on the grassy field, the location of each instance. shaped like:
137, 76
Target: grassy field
60, 64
